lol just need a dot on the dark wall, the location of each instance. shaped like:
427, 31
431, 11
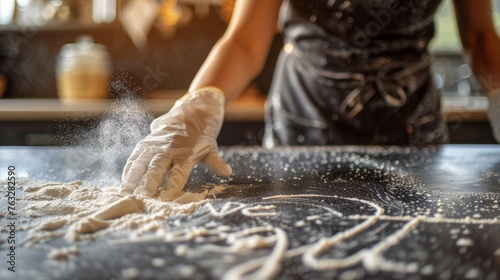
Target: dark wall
29, 65
27, 57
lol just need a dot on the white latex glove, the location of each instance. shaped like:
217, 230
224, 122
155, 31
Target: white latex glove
494, 113
179, 139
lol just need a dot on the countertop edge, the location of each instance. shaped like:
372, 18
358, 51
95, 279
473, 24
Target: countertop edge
471, 109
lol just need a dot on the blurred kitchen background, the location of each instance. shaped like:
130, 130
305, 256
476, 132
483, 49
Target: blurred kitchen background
151, 49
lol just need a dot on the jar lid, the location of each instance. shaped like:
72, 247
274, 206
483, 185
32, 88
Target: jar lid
84, 46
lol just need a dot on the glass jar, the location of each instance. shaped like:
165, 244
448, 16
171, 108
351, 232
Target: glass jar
83, 70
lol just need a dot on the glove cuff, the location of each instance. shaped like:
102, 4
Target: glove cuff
494, 94
214, 93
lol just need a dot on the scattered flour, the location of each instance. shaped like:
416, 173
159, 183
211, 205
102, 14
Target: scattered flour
472, 273
181, 250
465, 242
64, 253
263, 268
312, 218
300, 224
249, 239
427, 270
352, 274
252, 211
130, 273
76, 212
187, 270
158, 262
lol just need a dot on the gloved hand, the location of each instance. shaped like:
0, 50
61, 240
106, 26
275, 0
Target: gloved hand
179, 139
494, 113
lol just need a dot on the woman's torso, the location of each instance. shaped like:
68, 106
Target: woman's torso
359, 35
355, 71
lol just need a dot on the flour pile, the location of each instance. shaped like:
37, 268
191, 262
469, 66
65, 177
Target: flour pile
76, 213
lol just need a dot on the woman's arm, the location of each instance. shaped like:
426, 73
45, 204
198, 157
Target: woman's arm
480, 41
187, 134
482, 45
242, 51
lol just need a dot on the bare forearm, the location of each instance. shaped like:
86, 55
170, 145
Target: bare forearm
484, 56
240, 55
229, 67
480, 41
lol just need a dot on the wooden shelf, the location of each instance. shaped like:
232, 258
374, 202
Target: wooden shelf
59, 27
241, 110
54, 110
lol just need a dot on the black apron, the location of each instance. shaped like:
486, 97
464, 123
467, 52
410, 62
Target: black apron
355, 72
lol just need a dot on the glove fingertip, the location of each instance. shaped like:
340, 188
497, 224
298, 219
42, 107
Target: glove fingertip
215, 163
225, 170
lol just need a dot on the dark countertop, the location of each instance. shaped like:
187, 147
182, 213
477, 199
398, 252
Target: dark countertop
420, 213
